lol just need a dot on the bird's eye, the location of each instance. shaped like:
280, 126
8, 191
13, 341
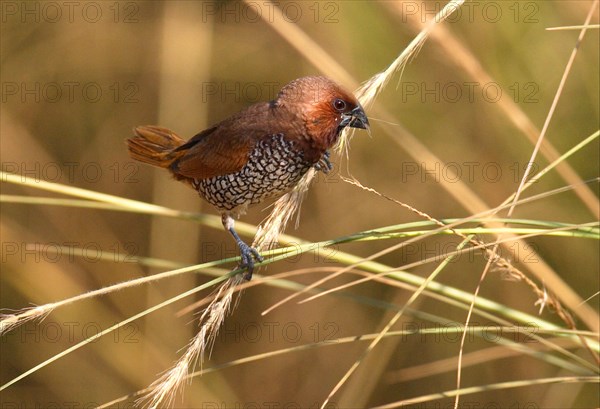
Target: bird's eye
339, 104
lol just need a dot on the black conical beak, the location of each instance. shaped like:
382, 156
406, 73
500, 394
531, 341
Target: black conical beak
355, 119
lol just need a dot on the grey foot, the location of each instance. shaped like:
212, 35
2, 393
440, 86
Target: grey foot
324, 165
249, 256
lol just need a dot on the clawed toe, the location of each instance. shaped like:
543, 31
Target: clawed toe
249, 255
324, 165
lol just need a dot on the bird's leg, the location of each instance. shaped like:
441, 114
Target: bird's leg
248, 254
324, 165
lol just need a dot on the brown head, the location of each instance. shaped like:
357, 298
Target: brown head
325, 107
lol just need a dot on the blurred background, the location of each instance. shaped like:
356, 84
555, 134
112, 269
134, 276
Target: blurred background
76, 78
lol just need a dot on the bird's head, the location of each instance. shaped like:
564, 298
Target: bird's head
325, 108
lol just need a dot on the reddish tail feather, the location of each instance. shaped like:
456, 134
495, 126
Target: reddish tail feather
154, 145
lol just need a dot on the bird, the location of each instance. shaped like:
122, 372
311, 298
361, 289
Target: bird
258, 153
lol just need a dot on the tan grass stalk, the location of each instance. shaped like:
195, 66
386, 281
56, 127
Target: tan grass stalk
490, 387
369, 90
458, 53
435, 258
564, 28
501, 263
408, 142
390, 324
163, 390
284, 209
595, 205
361, 262
366, 95
462, 57
109, 330
479, 357
419, 372
183, 55
9, 322
564, 315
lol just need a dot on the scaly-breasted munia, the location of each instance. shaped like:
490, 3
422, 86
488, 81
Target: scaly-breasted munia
260, 152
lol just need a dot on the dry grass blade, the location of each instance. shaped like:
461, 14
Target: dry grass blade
369, 90
564, 314
559, 91
476, 244
9, 322
564, 28
289, 204
272, 15
461, 192
495, 386
111, 329
163, 390
482, 246
366, 95
441, 366
478, 357
284, 209
458, 53
463, 338
206, 60
391, 323
463, 58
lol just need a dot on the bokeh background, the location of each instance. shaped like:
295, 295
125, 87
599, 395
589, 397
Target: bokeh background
77, 77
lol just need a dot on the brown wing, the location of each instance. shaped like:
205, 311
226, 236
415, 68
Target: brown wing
224, 148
